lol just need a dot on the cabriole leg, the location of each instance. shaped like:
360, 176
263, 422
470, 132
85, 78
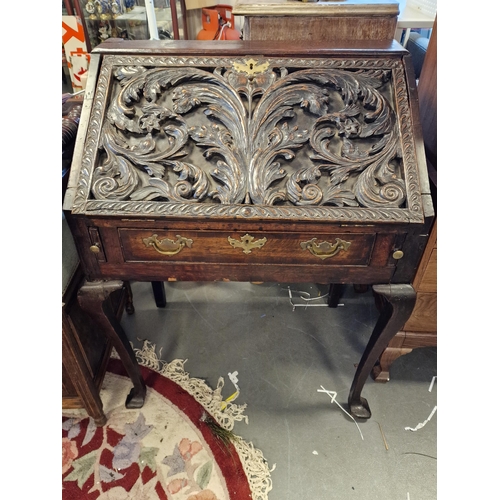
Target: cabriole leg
335, 293
92, 297
397, 303
159, 293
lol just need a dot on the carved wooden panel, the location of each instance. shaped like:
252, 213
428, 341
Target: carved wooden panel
267, 137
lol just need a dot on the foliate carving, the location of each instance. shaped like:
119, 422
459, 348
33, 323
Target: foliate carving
251, 133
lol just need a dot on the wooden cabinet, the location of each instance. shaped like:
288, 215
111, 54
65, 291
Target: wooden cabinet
424, 318
421, 328
318, 21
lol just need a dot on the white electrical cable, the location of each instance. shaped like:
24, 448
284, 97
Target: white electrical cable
333, 395
419, 426
222, 30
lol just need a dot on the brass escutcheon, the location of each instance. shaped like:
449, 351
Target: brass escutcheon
247, 243
251, 67
166, 246
325, 249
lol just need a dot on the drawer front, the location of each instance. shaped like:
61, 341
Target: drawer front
424, 315
335, 249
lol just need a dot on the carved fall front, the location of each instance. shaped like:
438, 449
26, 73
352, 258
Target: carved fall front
252, 134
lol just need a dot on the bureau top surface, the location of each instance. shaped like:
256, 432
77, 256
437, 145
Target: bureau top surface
250, 130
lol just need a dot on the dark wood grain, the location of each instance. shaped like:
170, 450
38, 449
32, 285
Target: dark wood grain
376, 48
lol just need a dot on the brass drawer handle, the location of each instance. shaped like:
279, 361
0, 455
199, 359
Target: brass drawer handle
325, 249
166, 246
247, 243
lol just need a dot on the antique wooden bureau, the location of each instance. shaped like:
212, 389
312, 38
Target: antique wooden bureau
250, 161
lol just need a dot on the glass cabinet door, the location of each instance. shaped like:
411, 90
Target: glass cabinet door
128, 19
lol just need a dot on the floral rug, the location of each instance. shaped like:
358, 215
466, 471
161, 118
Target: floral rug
178, 446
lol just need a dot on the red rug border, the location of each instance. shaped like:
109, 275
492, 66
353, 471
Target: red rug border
228, 460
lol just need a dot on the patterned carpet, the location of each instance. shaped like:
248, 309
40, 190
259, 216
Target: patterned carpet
178, 446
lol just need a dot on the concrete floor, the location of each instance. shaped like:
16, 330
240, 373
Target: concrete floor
283, 356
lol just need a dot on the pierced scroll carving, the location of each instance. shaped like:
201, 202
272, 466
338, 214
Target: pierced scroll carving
251, 133
125, 184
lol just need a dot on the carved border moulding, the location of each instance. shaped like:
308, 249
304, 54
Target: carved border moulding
302, 139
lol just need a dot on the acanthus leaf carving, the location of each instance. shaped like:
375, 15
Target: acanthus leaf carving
271, 136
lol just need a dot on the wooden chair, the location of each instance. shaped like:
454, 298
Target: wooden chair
85, 352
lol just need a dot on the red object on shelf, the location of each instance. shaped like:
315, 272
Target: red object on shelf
218, 24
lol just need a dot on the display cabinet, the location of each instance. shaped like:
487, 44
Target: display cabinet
128, 19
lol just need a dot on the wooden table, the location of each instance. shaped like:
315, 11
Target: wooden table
414, 16
250, 161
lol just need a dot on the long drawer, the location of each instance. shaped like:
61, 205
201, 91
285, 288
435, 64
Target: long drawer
335, 249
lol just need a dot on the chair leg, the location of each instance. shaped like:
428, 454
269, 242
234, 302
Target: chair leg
93, 298
81, 377
129, 303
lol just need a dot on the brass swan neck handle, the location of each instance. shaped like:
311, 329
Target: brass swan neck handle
325, 249
167, 246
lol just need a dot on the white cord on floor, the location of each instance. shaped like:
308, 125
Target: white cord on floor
419, 426
432, 383
306, 299
333, 395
